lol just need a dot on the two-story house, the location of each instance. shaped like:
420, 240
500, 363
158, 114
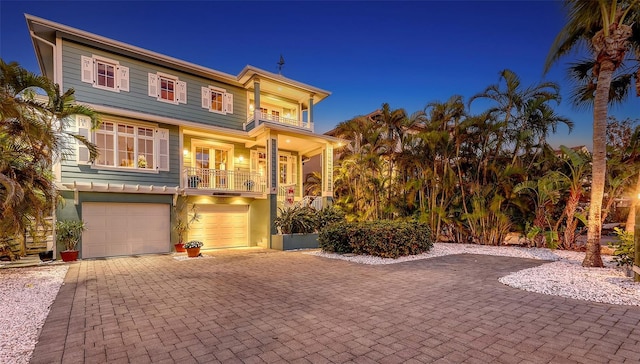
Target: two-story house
171, 130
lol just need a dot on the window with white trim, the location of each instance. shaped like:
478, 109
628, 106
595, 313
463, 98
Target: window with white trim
167, 88
217, 100
130, 146
105, 73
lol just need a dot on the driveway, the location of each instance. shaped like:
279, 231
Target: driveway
257, 306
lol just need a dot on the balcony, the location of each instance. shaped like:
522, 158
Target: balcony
256, 119
223, 181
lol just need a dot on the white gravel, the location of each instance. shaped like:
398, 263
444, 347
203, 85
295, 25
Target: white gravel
564, 276
26, 294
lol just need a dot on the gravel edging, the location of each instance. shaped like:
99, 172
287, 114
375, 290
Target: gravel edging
25, 299
564, 276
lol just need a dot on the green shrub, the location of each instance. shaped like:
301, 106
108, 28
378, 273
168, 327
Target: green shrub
328, 216
386, 239
69, 232
623, 248
296, 220
335, 238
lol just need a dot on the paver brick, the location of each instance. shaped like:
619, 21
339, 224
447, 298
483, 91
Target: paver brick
262, 306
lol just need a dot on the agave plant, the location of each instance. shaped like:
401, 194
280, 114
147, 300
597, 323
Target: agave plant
296, 220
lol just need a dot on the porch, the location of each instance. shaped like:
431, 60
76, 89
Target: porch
257, 118
223, 180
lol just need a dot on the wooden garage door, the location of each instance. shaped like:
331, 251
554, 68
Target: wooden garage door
221, 226
125, 229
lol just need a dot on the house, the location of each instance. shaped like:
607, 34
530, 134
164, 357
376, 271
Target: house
171, 130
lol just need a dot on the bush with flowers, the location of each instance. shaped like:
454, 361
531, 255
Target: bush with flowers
193, 244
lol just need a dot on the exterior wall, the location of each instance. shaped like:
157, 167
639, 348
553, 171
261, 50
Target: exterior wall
138, 98
70, 211
259, 223
72, 171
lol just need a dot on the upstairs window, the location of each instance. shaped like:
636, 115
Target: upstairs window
217, 100
105, 73
167, 88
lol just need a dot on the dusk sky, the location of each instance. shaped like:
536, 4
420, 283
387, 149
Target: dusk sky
366, 53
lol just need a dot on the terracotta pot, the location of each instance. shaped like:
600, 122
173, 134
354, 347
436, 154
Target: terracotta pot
69, 255
179, 247
193, 252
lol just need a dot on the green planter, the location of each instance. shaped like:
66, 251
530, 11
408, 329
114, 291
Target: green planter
294, 241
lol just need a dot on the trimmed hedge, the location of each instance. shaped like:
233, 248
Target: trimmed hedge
386, 239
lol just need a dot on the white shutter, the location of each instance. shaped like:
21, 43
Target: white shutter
123, 78
84, 129
87, 69
182, 92
153, 85
206, 98
293, 160
228, 105
254, 161
162, 141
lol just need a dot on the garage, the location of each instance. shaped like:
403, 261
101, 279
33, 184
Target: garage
221, 226
125, 229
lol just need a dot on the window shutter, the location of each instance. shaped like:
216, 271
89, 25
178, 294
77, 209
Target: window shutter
254, 161
294, 169
206, 98
162, 141
228, 103
123, 78
182, 92
153, 85
87, 69
84, 129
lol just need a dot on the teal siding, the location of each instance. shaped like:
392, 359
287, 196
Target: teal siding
71, 171
137, 99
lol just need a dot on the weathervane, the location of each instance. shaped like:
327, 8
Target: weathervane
280, 64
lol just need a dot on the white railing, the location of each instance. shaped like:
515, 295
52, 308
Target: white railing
262, 116
217, 179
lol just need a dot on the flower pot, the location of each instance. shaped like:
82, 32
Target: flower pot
46, 256
69, 255
193, 252
179, 248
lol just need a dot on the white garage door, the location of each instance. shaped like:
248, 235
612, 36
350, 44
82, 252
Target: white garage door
221, 226
125, 229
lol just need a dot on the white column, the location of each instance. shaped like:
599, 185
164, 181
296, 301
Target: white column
310, 111
256, 100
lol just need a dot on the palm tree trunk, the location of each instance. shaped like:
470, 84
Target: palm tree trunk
592, 257
631, 218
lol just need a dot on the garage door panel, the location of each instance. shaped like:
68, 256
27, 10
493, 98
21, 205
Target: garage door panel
125, 228
221, 226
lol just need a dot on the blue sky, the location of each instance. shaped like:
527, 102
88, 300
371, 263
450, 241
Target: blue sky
366, 53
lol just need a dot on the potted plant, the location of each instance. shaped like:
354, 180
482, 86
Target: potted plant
183, 224
193, 248
297, 229
68, 233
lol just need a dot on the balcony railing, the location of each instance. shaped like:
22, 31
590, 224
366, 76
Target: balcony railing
255, 119
223, 180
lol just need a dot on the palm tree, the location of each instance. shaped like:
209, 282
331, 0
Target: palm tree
606, 26
32, 139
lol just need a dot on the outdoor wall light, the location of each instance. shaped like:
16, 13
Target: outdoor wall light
185, 152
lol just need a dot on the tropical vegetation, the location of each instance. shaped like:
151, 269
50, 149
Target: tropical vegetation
34, 114
477, 177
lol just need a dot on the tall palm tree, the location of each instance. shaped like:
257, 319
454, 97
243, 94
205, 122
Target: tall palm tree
606, 27
33, 137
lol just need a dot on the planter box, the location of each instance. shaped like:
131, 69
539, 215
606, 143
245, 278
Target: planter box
294, 241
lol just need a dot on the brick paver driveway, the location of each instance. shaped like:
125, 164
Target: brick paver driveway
266, 306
